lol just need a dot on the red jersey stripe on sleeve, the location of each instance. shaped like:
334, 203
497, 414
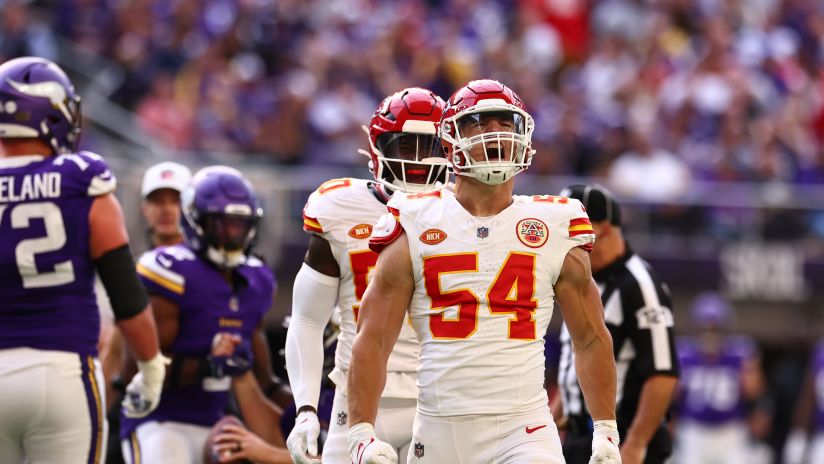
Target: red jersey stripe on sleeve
311, 224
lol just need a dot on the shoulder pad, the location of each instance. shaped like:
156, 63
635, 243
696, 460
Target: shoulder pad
386, 230
86, 173
321, 201
261, 273
160, 268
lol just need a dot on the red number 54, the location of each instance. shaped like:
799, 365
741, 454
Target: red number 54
512, 292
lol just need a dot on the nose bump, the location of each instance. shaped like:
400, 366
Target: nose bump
493, 125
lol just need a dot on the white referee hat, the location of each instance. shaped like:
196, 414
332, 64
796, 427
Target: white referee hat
168, 174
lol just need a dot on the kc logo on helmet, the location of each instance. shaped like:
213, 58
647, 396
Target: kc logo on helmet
532, 232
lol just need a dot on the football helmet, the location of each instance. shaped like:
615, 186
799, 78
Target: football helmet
37, 100
220, 216
405, 153
711, 310
489, 119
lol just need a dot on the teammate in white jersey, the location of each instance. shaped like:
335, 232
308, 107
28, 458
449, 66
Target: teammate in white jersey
479, 270
405, 156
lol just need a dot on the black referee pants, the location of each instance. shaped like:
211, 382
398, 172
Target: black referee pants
577, 445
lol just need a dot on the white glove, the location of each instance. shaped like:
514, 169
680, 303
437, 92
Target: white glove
143, 392
605, 443
364, 448
795, 448
303, 440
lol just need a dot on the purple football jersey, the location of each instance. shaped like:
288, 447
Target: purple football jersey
207, 304
711, 385
818, 385
46, 274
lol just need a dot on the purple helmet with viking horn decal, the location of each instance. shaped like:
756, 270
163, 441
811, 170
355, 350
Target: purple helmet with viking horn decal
37, 100
220, 215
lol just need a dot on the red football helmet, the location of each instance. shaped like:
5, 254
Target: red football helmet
405, 153
487, 117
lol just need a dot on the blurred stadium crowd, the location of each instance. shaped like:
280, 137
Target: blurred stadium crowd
667, 89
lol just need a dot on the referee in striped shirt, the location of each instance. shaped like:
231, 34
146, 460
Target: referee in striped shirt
638, 316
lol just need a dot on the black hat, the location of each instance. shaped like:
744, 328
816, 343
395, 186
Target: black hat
599, 202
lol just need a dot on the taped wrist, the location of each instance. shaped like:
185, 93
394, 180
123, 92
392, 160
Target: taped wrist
117, 272
360, 432
154, 370
607, 429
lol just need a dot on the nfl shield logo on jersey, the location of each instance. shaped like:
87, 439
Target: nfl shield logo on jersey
418, 450
342, 418
483, 232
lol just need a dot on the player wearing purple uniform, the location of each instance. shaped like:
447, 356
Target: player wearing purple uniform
809, 416
720, 378
59, 223
209, 296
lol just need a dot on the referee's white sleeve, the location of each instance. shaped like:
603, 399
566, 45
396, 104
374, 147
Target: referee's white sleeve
313, 299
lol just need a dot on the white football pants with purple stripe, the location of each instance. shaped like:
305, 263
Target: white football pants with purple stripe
52, 407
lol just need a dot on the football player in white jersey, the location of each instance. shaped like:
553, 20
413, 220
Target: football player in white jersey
479, 270
405, 156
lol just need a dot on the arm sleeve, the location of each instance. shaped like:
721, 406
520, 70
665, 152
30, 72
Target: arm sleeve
86, 174
313, 300
117, 273
101, 178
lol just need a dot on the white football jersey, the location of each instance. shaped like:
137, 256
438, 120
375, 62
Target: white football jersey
483, 295
342, 211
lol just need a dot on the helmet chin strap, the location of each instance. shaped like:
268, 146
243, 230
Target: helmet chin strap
225, 259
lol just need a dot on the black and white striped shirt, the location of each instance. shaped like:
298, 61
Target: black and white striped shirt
638, 315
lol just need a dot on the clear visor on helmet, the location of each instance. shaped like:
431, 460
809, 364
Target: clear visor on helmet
491, 144
229, 233
491, 121
411, 159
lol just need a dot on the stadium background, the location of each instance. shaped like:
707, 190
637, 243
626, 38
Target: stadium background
706, 117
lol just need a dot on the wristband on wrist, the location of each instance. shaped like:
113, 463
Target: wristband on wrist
307, 408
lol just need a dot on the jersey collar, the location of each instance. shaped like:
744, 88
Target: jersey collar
380, 191
18, 161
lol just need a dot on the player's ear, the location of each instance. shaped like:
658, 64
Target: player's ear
602, 229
